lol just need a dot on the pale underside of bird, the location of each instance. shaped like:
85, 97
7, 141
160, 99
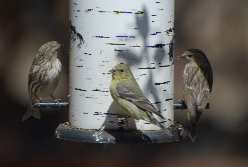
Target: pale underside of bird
43, 76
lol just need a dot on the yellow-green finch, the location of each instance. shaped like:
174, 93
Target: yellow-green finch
127, 94
198, 81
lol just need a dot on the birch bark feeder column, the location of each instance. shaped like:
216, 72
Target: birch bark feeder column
104, 33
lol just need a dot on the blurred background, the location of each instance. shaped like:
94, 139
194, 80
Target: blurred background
218, 27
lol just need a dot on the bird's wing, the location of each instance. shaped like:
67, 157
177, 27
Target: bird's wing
140, 101
196, 86
190, 84
196, 90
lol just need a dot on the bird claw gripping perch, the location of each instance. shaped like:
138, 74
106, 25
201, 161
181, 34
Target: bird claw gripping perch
183, 105
122, 120
38, 101
58, 101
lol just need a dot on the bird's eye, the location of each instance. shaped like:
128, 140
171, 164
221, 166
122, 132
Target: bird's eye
121, 70
189, 56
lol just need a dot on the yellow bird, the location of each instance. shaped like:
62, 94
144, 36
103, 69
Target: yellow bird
127, 94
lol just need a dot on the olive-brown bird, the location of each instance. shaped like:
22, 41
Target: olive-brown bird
127, 94
43, 76
198, 81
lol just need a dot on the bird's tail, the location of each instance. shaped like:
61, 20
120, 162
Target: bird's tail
192, 133
153, 120
31, 111
191, 128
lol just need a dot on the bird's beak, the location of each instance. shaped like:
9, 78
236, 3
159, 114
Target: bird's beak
182, 56
113, 70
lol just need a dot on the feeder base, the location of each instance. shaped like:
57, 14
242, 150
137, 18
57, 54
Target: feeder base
67, 132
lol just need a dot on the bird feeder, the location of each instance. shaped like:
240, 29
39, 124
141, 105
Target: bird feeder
105, 33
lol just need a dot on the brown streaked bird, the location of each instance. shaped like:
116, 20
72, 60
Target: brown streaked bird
198, 81
43, 76
127, 94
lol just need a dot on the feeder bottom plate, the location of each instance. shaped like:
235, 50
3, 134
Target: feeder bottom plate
67, 132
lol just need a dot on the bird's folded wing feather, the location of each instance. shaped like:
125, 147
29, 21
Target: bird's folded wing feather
196, 85
140, 101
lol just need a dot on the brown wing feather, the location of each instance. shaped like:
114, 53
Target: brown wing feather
196, 90
140, 101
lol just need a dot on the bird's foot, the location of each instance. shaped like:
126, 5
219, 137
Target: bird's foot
38, 101
58, 101
183, 105
176, 125
122, 120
